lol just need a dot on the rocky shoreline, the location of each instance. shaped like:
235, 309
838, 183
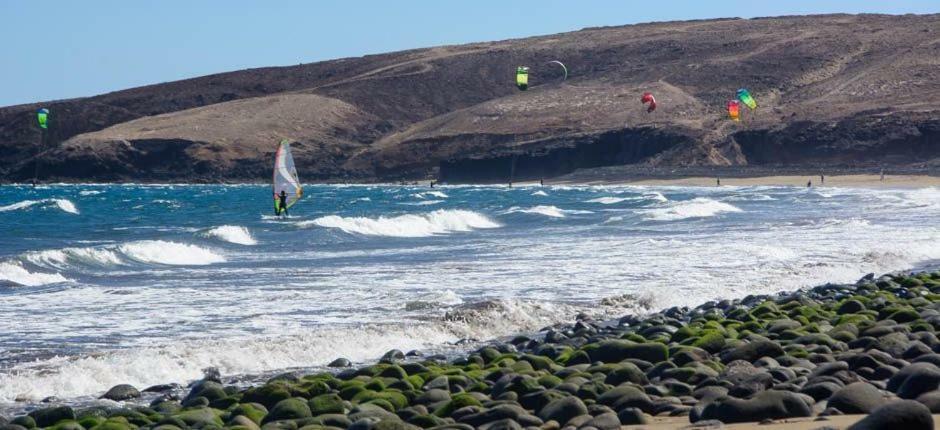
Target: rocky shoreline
865, 348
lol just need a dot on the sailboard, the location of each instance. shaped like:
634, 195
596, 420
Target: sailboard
285, 178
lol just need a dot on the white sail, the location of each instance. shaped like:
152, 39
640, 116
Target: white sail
285, 175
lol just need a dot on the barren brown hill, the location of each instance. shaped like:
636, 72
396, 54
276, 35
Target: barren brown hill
836, 90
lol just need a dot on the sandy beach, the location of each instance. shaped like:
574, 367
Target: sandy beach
848, 181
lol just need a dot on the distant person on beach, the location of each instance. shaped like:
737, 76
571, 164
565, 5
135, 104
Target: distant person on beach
541, 182
882, 175
717, 181
809, 183
282, 203
822, 179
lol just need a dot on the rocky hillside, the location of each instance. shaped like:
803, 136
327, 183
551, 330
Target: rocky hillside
836, 90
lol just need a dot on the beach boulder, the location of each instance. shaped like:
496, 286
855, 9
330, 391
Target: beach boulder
771, 404
121, 392
904, 414
857, 398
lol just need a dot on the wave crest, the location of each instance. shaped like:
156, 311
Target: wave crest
169, 253
64, 205
17, 274
549, 211
696, 208
232, 234
410, 225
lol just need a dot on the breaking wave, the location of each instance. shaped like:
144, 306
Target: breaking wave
17, 274
62, 204
409, 225
425, 195
549, 211
696, 208
608, 200
232, 234
183, 361
169, 253
145, 251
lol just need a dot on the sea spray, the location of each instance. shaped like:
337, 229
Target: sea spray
409, 225
232, 234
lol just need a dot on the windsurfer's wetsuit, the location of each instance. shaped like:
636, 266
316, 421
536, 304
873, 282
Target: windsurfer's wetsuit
282, 203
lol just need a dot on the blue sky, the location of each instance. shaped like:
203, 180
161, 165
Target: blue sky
54, 49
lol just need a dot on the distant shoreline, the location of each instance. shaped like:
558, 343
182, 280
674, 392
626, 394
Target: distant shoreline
836, 181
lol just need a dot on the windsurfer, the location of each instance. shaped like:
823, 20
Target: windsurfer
281, 203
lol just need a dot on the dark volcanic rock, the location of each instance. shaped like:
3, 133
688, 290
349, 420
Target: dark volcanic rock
340, 362
914, 380
904, 414
562, 410
121, 392
751, 351
767, 404
857, 398
48, 416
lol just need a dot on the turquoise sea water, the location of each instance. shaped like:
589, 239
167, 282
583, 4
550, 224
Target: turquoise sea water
108, 284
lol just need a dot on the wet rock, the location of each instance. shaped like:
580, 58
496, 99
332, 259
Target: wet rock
121, 392
503, 424
340, 362
627, 372
562, 410
289, 409
904, 414
614, 351
914, 380
857, 398
46, 417
161, 388
821, 390
24, 421
768, 404
850, 307
393, 355
626, 396
931, 400
752, 351
632, 416
243, 422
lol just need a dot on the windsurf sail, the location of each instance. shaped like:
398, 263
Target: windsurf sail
285, 178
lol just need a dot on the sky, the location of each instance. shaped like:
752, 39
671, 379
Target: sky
56, 49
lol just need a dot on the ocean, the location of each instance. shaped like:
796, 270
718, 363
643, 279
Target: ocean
151, 284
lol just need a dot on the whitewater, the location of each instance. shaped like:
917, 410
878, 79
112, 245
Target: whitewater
151, 284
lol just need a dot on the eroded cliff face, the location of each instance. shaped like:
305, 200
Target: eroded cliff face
833, 90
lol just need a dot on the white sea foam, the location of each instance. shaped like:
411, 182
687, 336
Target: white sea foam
546, 210
62, 204
232, 234
67, 258
170, 253
540, 193
608, 200
425, 195
89, 192
699, 207
183, 361
15, 272
409, 225
424, 203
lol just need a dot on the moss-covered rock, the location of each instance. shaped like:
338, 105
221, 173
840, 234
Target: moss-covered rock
456, 402
200, 417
